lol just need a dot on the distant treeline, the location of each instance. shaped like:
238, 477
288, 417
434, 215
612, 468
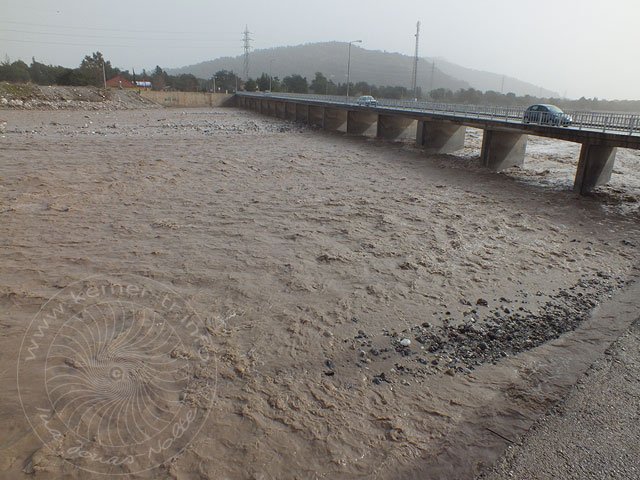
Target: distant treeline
90, 72
322, 85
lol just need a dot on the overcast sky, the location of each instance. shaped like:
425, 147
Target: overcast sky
578, 47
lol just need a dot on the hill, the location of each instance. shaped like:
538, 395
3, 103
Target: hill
372, 66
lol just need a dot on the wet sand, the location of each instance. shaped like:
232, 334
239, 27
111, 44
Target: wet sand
310, 259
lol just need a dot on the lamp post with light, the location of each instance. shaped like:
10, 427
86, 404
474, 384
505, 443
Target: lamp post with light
349, 66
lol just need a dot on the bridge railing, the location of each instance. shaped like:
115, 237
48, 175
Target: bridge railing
580, 120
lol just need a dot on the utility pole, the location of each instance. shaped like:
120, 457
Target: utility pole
502, 85
349, 65
247, 48
433, 71
104, 76
414, 74
270, 76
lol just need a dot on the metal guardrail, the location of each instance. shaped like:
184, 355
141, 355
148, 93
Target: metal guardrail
599, 121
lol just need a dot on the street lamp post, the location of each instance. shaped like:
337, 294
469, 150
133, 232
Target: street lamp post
270, 77
349, 66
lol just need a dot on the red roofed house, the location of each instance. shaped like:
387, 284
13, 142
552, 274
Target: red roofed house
120, 82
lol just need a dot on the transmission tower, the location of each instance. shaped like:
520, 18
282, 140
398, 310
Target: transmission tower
414, 74
247, 48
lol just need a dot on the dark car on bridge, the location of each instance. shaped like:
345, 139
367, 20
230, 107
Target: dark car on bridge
545, 114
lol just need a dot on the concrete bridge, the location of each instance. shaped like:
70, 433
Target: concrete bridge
442, 130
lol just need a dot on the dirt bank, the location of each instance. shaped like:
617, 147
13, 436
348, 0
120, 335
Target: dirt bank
37, 97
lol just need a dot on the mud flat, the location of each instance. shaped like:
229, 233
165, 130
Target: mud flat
366, 311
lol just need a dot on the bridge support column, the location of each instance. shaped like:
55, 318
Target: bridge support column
302, 113
335, 119
290, 111
440, 137
502, 150
392, 127
316, 116
280, 109
361, 123
594, 168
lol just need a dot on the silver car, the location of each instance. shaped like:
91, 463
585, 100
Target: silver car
545, 114
367, 101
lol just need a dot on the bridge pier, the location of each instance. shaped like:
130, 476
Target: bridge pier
316, 116
594, 168
440, 137
281, 110
290, 111
361, 123
502, 150
335, 119
392, 127
302, 113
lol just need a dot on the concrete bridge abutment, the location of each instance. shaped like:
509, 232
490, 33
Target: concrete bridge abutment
594, 167
362, 123
316, 116
440, 137
502, 150
335, 119
393, 127
290, 111
302, 113
271, 108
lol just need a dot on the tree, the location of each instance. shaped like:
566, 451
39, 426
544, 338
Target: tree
17, 71
296, 84
250, 85
159, 79
185, 83
226, 81
263, 82
91, 68
319, 85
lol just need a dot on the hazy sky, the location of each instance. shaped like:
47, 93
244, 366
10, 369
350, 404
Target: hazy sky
581, 47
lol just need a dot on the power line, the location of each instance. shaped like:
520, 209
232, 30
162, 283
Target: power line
111, 37
75, 27
101, 45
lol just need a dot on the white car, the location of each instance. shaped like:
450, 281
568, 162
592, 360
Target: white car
367, 101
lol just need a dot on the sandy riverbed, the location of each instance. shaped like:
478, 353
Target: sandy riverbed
306, 261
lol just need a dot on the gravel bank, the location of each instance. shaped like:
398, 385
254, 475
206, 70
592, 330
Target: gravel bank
593, 434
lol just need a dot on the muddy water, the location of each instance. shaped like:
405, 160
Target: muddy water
282, 268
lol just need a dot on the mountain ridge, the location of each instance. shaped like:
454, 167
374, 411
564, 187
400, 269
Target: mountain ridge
376, 67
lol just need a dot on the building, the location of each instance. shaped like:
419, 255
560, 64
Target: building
120, 82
